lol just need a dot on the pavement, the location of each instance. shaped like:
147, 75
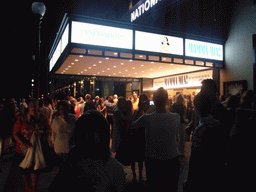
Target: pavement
11, 180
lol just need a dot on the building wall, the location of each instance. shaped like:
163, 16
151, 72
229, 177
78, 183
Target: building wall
239, 55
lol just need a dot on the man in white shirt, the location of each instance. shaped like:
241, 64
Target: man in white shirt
162, 163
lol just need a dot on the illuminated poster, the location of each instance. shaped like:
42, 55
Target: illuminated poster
158, 43
86, 33
182, 81
203, 50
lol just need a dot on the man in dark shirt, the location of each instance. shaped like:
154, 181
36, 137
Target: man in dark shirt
208, 150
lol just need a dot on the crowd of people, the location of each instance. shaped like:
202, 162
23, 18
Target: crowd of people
79, 134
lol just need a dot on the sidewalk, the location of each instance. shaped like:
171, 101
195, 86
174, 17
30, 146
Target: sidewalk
11, 180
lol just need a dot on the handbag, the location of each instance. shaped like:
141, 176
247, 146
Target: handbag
34, 157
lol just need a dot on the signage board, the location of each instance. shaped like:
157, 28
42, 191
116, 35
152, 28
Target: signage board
145, 41
182, 81
203, 50
141, 7
92, 34
60, 48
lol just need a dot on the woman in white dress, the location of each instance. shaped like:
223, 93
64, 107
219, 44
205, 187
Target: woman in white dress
62, 130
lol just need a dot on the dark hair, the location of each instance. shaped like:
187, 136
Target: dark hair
203, 104
92, 134
143, 97
63, 103
167, 41
209, 86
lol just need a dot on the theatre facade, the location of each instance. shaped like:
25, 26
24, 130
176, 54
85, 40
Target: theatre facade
105, 57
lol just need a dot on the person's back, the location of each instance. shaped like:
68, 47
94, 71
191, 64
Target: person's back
160, 135
89, 165
162, 163
208, 150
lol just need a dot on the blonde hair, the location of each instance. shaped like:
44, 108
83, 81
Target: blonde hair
180, 99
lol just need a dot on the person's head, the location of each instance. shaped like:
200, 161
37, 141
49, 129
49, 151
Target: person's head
135, 96
73, 102
121, 104
33, 105
115, 96
203, 104
129, 105
160, 98
180, 99
63, 108
110, 99
87, 97
143, 97
165, 41
233, 102
92, 129
209, 87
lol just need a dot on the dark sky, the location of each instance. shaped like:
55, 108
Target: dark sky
20, 38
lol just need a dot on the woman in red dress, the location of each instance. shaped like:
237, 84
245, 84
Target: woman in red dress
23, 129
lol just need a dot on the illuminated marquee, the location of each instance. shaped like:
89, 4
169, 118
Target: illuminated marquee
203, 50
142, 8
92, 34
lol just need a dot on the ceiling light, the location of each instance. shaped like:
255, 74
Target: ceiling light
76, 60
78, 73
66, 69
103, 71
108, 69
114, 73
115, 53
135, 73
69, 66
122, 63
142, 71
114, 66
72, 63
100, 61
160, 67
81, 72
142, 65
152, 62
119, 71
133, 68
89, 67
141, 55
126, 70
130, 60
85, 70
164, 59
106, 58
151, 69
81, 56
94, 65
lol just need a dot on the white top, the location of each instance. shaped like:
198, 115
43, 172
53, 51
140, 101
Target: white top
61, 133
160, 134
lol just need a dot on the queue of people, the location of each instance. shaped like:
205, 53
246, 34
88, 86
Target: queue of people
80, 135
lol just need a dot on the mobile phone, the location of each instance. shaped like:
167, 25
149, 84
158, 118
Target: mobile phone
151, 103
